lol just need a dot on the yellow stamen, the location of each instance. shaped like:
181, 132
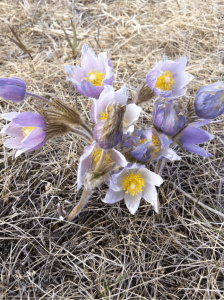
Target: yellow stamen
97, 154
141, 141
95, 77
133, 183
165, 82
27, 130
156, 143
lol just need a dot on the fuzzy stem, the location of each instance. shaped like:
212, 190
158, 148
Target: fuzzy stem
82, 134
100, 161
87, 129
38, 97
160, 166
197, 201
84, 198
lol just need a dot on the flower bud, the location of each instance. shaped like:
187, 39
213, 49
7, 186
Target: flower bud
13, 89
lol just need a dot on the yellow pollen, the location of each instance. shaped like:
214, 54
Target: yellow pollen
96, 156
156, 143
95, 77
165, 82
133, 183
27, 130
141, 141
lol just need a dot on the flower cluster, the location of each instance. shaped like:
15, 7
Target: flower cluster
118, 146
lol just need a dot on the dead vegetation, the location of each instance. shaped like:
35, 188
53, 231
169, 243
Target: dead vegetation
106, 253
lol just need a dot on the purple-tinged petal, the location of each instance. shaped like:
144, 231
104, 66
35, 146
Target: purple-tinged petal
132, 202
178, 65
197, 150
194, 135
150, 195
201, 122
93, 112
14, 130
121, 96
13, 89
151, 78
14, 143
29, 119
140, 152
37, 146
209, 101
113, 196
76, 74
181, 79
118, 158
177, 93
168, 153
84, 162
9, 116
35, 137
106, 98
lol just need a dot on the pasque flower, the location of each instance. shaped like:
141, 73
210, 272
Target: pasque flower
101, 107
94, 73
209, 101
192, 135
133, 183
26, 130
153, 145
168, 79
92, 155
168, 117
13, 89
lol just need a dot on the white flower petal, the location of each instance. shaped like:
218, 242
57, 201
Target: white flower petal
132, 202
118, 157
113, 196
150, 177
132, 114
150, 195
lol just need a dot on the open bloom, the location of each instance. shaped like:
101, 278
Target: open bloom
133, 183
168, 117
101, 107
209, 101
27, 130
153, 145
92, 155
94, 74
13, 89
168, 79
193, 135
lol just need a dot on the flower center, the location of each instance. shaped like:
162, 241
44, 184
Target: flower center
165, 82
133, 183
95, 77
141, 141
27, 130
97, 154
156, 143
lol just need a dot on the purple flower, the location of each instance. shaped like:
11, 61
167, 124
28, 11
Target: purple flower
101, 107
168, 79
13, 89
168, 117
92, 154
94, 74
192, 135
209, 101
153, 145
131, 184
27, 130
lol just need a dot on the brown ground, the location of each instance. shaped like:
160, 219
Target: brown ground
106, 253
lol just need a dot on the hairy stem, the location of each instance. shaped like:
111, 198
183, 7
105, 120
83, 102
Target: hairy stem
86, 127
84, 198
38, 97
196, 201
82, 134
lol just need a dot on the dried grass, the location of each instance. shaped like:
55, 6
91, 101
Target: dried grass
106, 253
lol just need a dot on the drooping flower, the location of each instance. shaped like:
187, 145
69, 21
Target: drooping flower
94, 73
209, 101
133, 183
168, 79
27, 130
101, 107
192, 135
92, 154
13, 89
168, 117
153, 145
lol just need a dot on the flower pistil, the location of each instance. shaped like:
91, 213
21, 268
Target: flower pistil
133, 183
95, 77
165, 81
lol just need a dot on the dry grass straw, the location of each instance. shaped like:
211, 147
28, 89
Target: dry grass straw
106, 253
